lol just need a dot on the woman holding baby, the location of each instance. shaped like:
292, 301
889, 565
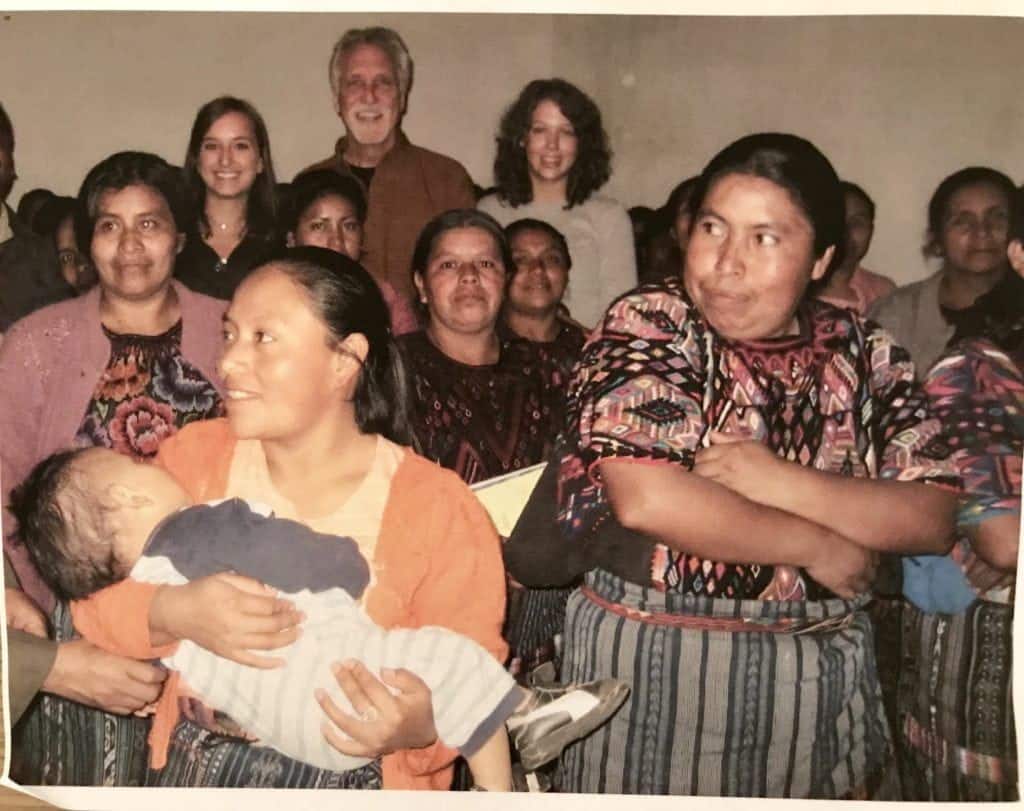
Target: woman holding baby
315, 430
313, 394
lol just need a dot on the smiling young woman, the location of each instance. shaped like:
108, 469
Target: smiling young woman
230, 176
317, 406
552, 158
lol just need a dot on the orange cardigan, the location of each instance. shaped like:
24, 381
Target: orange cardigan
437, 562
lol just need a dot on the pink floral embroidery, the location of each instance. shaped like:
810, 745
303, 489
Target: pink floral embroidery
139, 426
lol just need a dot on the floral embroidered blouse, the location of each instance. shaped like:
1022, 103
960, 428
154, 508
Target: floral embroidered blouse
147, 393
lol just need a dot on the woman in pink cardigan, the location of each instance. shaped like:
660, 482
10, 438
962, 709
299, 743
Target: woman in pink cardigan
125, 366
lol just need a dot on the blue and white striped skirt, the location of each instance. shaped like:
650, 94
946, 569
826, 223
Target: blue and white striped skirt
729, 697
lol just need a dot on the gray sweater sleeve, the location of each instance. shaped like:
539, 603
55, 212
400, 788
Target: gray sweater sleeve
618, 259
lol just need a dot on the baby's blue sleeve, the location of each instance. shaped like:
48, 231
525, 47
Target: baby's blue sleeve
936, 584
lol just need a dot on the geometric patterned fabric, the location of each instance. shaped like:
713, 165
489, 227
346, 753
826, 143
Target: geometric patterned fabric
655, 379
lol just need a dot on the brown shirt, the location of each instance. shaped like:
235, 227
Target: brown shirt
410, 187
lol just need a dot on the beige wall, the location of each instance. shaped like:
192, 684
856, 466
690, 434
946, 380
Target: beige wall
896, 102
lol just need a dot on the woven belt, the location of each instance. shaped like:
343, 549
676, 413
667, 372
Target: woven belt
783, 625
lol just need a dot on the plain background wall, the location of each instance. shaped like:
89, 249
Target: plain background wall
896, 102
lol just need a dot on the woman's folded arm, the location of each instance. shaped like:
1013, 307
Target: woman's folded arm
701, 517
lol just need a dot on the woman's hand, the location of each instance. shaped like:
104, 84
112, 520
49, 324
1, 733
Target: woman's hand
23, 614
752, 470
984, 577
229, 615
996, 541
84, 673
843, 567
743, 465
387, 721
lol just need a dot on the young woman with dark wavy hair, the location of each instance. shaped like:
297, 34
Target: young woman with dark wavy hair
553, 156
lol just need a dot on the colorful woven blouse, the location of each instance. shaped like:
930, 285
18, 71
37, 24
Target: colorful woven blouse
655, 380
978, 392
482, 421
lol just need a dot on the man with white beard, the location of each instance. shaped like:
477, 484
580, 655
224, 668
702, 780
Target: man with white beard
406, 185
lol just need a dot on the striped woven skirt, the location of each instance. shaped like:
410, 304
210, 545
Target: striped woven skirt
59, 742
956, 712
198, 757
533, 629
730, 697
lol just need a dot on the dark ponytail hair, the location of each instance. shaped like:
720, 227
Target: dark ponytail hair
347, 299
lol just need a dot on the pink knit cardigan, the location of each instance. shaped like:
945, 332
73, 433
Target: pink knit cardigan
50, 363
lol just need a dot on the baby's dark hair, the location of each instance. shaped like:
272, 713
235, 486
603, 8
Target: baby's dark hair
65, 529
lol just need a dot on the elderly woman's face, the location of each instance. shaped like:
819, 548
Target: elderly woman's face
463, 285
541, 273
750, 258
134, 243
280, 372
